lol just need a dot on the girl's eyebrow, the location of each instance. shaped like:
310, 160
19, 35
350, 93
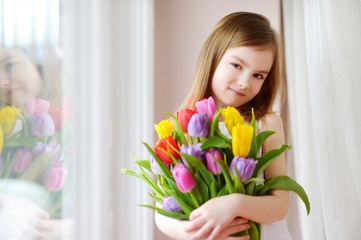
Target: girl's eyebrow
6, 58
246, 64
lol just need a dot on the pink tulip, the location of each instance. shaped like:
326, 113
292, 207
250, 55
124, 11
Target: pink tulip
36, 105
183, 178
208, 106
55, 177
23, 160
212, 165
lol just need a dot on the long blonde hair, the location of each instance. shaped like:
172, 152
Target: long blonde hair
236, 30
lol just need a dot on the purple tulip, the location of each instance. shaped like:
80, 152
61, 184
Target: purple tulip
42, 125
195, 150
155, 167
208, 106
54, 179
53, 150
23, 160
212, 165
183, 178
198, 126
170, 204
245, 167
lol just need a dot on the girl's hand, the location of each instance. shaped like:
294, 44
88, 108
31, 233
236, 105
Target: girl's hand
22, 219
209, 220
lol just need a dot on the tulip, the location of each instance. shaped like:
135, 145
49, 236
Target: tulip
36, 105
164, 128
198, 126
183, 117
23, 160
194, 150
155, 167
53, 151
170, 204
61, 117
212, 165
54, 179
42, 125
245, 167
8, 119
163, 148
183, 178
208, 106
242, 135
231, 117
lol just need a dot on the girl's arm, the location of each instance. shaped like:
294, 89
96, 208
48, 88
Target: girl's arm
211, 218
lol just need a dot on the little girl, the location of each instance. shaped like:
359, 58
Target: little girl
239, 66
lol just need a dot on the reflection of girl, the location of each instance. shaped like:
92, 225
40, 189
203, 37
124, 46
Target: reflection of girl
24, 76
21, 78
239, 67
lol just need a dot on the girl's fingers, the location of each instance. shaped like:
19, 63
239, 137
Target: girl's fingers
239, 238
195, 224
215, 233
235, 229
238, 221
195, 214
202, 233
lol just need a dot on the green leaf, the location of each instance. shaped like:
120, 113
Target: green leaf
151, 183
238, 182
172, 186
207, 175
215, 142
37, 168
223, 191
203, 189
162, 166
175, 215
288, 184
143, 163
261, 138
250, 188
253, 152
254, 231
214, 124
213, 189
227, 177
178, 129
268, 158
155, 198
21, 141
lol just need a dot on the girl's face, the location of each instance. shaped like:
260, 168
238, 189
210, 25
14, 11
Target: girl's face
19, 78
240, 74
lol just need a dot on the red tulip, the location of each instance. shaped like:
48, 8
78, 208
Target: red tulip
183, 116
163, 148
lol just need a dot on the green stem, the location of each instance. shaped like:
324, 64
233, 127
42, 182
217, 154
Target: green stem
194, 199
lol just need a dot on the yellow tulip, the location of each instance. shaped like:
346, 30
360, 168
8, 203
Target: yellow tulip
164, 128
232, 118
1, 140
8, 119
242, 135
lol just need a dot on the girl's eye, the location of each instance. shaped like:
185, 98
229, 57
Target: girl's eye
258, 76
9, 65
236, 65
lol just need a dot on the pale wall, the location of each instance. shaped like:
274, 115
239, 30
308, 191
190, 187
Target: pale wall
181, 27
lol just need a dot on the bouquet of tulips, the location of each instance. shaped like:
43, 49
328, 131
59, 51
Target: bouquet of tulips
32, 147
194, 162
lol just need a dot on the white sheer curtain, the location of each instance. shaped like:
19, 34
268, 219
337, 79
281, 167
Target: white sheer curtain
108, 64
323, 65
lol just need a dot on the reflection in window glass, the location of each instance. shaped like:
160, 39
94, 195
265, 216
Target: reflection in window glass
35, 123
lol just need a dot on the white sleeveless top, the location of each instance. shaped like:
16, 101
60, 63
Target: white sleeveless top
271, 231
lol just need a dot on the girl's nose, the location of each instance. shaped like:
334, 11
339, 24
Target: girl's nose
244, 81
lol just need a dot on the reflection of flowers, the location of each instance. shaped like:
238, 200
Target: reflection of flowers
54, 178
32, 146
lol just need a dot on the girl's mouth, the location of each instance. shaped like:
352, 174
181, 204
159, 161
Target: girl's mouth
237, 93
